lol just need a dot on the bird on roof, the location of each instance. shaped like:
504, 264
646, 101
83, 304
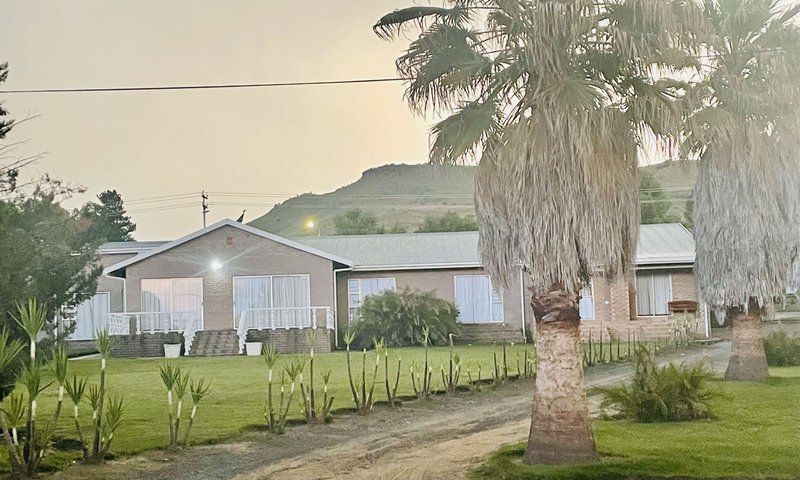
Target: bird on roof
241, 217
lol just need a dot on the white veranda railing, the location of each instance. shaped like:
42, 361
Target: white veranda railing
187, 323
283, 317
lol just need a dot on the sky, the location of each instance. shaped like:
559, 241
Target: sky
280, 141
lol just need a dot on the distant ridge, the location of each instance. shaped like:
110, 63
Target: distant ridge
403, 194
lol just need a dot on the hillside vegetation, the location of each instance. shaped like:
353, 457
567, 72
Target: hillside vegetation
403, 194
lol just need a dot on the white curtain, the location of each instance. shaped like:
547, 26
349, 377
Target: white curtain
291, 292
587, 303
474, 298
653, 293
90, 317
187, 302
252, 293
181, 298
156, 302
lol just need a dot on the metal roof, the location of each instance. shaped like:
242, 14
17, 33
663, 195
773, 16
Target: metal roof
660, 244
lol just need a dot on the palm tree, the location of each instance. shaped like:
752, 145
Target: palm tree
554, 98
746, 197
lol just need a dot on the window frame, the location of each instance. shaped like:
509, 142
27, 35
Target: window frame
652, 275
271, 276
353, 315
594, 305
492, 301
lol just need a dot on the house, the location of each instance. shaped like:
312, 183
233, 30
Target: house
218, 286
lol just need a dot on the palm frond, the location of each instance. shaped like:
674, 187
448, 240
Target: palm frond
462, 133
392, 24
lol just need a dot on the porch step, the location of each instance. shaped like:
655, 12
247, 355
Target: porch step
490, 332
215, 342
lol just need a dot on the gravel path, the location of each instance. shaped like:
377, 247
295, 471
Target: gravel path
437, 439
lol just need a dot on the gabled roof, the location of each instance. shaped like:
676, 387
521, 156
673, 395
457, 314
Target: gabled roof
113, 248
224, 223
659, 244
665, 243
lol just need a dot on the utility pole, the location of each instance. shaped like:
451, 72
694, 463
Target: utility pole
204, 204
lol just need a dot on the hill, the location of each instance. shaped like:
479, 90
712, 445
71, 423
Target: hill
404, 194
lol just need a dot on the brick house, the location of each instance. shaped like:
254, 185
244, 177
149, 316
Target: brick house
218, 286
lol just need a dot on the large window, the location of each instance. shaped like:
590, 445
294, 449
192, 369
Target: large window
171, 303
587, 302
273, 300
359, 288
653, 293
91, 317
477, 300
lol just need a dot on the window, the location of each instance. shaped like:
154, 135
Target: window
359, 288
477, 300
587, 302
91, 317
275, 300
169, 303
653, 293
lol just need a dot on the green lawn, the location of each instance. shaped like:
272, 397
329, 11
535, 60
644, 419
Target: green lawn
756, 434
238, 389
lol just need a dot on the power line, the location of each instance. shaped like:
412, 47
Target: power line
217, 86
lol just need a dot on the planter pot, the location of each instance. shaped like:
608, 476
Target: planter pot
172, 350
253, 349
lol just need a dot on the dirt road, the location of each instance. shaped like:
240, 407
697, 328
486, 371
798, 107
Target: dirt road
437, 439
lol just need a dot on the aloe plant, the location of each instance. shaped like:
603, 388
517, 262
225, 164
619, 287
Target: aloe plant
450, 379
421, 380
312, 410
391, 392
363, 396
197, 390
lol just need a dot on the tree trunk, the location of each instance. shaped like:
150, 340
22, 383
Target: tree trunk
748, 360
560, 429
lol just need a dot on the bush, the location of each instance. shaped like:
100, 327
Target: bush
661, 394
399, 317
782, 349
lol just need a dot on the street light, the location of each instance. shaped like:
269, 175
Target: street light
311, 224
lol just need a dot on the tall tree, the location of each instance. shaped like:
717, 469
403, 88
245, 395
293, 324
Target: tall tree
745, 133
44, 257
655, 205
448, 221
357, 222
553, 97
107, 220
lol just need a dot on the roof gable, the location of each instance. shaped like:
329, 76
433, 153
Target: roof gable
223, 223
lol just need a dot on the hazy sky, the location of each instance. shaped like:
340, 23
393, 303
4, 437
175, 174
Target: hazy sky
146, 144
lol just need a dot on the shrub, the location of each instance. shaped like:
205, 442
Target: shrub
782, 349
399, 318
661, 394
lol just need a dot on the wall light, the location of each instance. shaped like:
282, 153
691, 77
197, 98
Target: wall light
216, 265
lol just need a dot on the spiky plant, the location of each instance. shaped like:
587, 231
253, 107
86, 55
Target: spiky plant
362, 391
421, 379
198, 390
391, 391
745, 132
270, 355
451, 377
553, 98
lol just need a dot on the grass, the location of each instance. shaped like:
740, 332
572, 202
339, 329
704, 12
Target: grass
235, 403
754, 434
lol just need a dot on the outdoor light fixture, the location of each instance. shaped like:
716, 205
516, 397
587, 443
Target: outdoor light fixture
216, 265
310, 224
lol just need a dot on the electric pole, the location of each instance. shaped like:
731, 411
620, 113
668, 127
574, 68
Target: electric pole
204, 204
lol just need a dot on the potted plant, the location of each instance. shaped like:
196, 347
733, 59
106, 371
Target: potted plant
253, 349
172, 350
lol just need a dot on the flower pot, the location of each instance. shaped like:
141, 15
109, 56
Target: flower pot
172, 350
253, 349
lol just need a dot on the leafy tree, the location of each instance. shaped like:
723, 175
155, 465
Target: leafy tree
449, 221
553, 98
745, 132
107, 220
655, 206
357, 222
399, 317
44, 258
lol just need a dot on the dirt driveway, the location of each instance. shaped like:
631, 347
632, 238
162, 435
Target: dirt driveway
437, 439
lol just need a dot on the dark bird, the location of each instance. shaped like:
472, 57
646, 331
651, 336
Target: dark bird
241, 217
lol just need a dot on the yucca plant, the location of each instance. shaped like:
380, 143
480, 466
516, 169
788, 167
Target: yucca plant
661, 394
312, 410
391, 392
290, 373
270, 355
197, 390
450, 379
421, 380
363, 395
175, 382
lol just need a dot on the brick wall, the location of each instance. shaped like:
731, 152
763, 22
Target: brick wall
241, 253
146, 344
113, 285
292, 340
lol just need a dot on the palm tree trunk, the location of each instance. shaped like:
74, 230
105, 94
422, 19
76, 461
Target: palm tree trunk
748, 360
560, 429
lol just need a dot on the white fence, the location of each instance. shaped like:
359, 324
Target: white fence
283, 317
